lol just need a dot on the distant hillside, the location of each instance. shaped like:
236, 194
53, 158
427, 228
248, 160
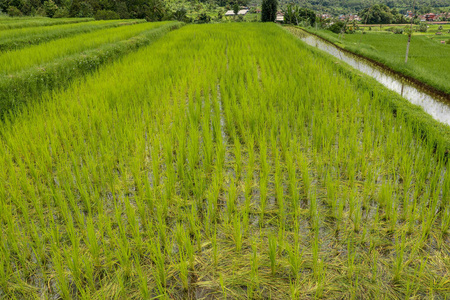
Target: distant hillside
336, 7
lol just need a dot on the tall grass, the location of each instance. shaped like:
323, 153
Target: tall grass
126, 184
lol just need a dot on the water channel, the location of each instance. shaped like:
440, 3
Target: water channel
434, 105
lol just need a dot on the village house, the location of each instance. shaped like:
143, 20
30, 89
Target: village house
241, 12
430, 17
280, 17
349, 17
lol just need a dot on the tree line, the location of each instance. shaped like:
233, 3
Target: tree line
151, 10
157, 10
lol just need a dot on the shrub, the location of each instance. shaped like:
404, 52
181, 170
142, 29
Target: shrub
398, 30
203, 18
423, 27
181, 14
338, 27
106, 15
14, 11
61, 13
50, 8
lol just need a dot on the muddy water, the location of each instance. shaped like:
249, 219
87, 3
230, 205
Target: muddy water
437, 107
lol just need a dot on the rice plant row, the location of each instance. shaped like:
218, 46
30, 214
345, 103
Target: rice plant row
22, 87
12, 23
223, 161
22, 37
17, 60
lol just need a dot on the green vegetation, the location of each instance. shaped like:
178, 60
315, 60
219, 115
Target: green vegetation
13, 61
27, 85
18, 38
381, 14
158, 10
337, 7
269, 10
11, 23
295, 14
429, 59
208, 164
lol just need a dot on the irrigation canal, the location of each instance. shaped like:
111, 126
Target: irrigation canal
433, 104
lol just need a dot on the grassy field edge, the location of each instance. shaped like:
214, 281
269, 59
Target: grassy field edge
423, 123
25, 86
410, 75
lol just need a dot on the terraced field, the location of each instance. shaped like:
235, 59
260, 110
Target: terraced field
22, 37
22, 22
223, 161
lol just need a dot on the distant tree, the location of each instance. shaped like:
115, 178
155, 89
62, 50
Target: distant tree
106, 15
269, 10
203, 18
308, 15
14, 11
292, 14
295, 14
180, 14
423, 27
339, 27
50, 8
62, 12
377, 14
235, 8
155, 10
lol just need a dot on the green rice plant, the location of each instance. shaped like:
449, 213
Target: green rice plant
263, 181
305, 174
279, 191
215, 248
237, 232
223, 286
295, 258
272, 253
143, 285
351, 256
61, 278
183, 269
399, 259
232, 196
160, 272
291, 170
237, 157
255, 265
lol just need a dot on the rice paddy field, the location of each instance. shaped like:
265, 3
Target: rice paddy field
222, 161
428, 60
22, 22
22, 37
